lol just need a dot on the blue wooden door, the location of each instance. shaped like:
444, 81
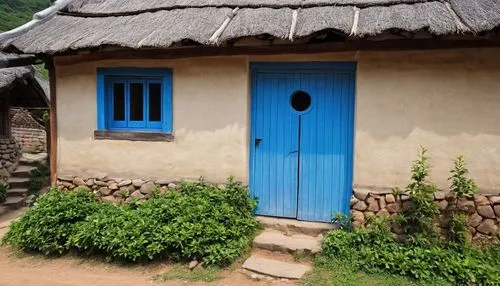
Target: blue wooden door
275, 144
301, 149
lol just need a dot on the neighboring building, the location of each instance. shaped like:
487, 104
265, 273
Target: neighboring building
18, 87
301, 99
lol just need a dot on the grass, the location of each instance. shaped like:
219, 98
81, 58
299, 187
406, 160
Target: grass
181, 272
338, 272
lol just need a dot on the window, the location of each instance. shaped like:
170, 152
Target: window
134, 100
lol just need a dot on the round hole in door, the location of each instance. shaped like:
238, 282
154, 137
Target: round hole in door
300, 101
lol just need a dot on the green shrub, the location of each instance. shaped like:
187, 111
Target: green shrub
3, 192
47, 226
38, 178
461, 185
373, 251
195, 221
419, 217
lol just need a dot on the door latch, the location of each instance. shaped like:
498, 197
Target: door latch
257, 141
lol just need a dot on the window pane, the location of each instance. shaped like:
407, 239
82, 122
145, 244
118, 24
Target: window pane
136, 102
154, 102
118, 101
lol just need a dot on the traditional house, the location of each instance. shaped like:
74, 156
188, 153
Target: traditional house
304, 100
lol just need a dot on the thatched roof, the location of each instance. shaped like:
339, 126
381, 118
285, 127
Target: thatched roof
9, 75
84, 24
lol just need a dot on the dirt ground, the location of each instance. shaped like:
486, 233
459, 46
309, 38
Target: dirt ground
23, 269
18, 269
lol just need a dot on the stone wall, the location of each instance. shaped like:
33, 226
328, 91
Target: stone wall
28, 131
483, 210
10, 152
116, 190
33, 140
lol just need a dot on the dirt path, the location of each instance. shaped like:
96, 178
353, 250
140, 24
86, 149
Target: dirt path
40, 271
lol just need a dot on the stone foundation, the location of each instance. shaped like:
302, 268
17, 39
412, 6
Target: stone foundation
483, 210
116, 190
10, 152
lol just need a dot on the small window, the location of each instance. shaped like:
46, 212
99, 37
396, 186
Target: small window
135, 100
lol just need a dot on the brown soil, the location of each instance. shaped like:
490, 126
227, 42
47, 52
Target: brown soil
17, 269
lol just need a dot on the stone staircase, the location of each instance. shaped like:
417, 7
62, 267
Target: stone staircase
284, 248
19, 180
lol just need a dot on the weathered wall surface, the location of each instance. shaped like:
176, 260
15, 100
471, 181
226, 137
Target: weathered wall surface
444, 100
210, 122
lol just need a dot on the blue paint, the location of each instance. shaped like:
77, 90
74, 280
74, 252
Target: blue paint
107, 77
302, 168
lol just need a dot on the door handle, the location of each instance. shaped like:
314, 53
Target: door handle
257, 141
293, 152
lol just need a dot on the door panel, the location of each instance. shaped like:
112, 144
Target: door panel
302, 166
325, 147
275, 157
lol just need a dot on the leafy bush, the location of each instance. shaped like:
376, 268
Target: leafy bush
48, 225
374, 251
458, 231
38, 178
195, 221
3, 192
420, 215
461, 185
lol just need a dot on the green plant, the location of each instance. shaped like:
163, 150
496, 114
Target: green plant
194, 221
419, 216
47, 226
458, 228
343, 221
3, 191
38, 178
375, 251
461, 185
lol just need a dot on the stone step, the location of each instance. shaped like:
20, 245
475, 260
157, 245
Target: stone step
290, 226
17, 192
23, 171
278, 241
15, 182
275, 268
15, 202
33, 159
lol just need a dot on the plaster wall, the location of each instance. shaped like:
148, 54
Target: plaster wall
445, 100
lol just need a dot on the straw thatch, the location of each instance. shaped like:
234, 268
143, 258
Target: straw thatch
9, 75
85, 24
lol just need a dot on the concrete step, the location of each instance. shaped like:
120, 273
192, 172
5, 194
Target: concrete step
15, 182
275, 268
23, 171
278, 241
291, 226
15, 202
17, 192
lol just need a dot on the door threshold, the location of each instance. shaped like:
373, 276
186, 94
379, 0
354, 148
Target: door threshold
292, 225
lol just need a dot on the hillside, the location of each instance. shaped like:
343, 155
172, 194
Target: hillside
14, 13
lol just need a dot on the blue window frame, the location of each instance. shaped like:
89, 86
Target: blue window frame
134, 99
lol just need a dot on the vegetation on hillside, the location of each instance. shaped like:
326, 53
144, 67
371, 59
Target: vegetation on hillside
14, 13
